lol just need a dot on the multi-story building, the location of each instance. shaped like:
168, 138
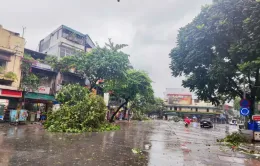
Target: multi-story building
11, 53
42, 97
65, 41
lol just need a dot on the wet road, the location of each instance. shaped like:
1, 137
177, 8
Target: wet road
162, 143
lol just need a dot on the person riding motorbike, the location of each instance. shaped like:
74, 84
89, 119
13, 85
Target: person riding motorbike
187, 121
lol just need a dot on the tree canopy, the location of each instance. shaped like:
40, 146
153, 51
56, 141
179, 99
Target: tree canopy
106, 63
219, 50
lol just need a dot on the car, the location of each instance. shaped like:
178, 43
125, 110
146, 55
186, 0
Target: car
206, 123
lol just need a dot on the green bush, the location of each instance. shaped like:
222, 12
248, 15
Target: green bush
71, 94
235, 139
86, 113
139, 116
11, 75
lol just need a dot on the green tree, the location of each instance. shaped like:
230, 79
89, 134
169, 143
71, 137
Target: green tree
29, 80
140, 105
107, 63
115, 47
237, 103
219, 50
135, 83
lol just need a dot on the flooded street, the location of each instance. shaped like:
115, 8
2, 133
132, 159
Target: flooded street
162, 143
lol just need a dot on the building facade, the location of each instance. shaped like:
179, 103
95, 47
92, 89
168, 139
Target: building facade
65, 41
40, 99
11, 53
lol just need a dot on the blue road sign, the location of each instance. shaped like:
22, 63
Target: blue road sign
244, 103
244, 111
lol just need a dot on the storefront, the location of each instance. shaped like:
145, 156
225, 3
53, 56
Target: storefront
9, 100
37, 102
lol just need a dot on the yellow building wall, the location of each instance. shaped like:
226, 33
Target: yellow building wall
12, 45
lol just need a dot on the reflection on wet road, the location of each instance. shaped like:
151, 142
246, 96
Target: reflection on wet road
163, 143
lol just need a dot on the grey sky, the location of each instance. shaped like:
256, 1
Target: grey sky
149, 27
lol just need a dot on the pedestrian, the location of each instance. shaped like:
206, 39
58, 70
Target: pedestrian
121, 116
129, 115
38, 116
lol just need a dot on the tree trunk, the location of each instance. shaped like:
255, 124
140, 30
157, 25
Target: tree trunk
113, 116
252, 108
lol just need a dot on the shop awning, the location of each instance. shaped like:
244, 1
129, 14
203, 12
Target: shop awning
39, 96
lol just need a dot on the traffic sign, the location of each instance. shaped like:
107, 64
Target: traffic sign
256, 117
244, 111
244, 103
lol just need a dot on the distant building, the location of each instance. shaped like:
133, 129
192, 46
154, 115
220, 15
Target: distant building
182, 101
65, 41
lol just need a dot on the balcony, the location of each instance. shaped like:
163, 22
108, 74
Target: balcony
7, 78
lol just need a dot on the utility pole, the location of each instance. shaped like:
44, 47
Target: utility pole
244, 97
244, 90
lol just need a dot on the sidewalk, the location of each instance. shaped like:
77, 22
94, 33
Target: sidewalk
253, 149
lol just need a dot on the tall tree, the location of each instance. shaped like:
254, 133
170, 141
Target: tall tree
136, 83
219, 51
237, 103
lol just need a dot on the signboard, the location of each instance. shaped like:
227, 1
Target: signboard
42, 66
256, 117
179, 99
11, 93
244, 103
23, 115
244, 111
13, 115
44, 90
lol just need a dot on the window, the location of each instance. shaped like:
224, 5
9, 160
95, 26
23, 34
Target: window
207, 110
196, 109
2, 66
175, 108
2, 63
66, 51
170, 108
73, 37
191, 109
44, 44
179, 108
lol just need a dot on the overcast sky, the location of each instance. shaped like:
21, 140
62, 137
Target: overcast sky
149, 27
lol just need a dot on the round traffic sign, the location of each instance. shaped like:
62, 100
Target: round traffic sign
244, 111
244, 103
